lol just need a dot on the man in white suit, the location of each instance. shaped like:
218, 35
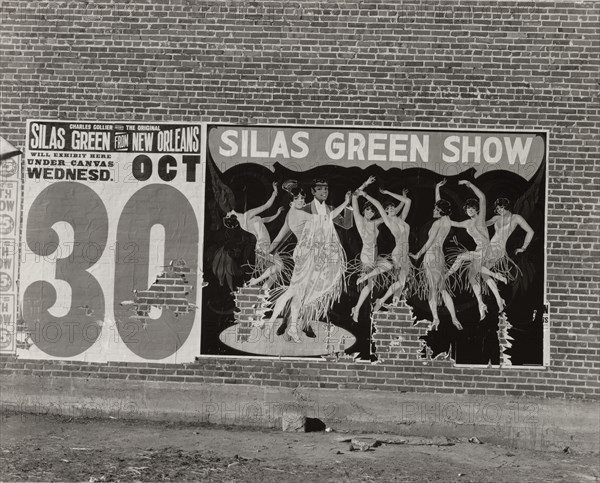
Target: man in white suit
319, 206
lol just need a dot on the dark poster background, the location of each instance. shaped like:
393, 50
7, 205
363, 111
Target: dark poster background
477, 343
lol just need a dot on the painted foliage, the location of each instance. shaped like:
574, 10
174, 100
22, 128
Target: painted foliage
311, 234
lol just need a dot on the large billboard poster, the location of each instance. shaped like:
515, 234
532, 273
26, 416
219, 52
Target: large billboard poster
310, 233
111, 241
164, 242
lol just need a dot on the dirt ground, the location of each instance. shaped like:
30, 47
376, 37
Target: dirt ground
51, 448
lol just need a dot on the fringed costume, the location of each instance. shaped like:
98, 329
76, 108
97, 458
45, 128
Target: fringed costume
319, 264
431, 277
368, 260
498, 260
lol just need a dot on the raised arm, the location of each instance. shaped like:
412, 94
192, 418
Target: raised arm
358, 218
269, 219
480, 197
404, 200
340, 208
528, 230
437, 190
259, 209
376, 204
370, 180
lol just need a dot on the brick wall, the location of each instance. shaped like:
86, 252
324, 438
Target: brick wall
444, 64
169, 290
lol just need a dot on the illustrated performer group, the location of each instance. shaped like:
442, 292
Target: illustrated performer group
306, 283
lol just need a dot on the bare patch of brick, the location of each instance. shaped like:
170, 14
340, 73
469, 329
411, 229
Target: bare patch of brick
399, 336
168, 292
252, 303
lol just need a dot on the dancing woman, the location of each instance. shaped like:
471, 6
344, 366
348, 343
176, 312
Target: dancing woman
319, 264
434, 264
474, 260
505, 223
394, 218
368, 230
268, 266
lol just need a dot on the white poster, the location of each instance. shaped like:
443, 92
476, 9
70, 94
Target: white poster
9, 233
111, 241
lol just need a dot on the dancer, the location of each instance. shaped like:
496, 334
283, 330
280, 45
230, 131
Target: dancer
394, 218
505, 223
474, 260
268, 266
319, 264
434, 264
367, 229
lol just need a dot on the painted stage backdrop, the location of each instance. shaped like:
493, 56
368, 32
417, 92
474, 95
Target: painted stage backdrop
110, 244
311, 233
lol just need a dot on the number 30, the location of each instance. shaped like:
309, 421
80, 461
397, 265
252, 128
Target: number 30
82, 208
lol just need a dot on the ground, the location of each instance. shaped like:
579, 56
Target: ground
52, 448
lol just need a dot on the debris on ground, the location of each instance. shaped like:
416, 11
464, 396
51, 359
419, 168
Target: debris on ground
106, 450
293, 423
362, 444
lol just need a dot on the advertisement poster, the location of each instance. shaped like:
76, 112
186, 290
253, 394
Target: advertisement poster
309, 232
9, 233
111, 243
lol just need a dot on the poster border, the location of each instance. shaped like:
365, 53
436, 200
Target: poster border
546, 324
173, 358
204, 128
